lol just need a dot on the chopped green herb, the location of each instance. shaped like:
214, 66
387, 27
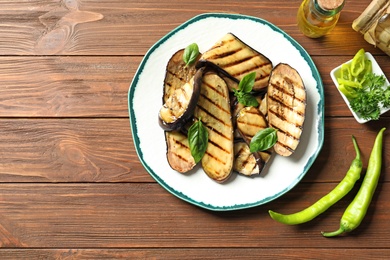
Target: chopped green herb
369, 98
364, 89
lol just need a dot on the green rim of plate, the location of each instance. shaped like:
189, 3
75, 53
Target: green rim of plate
320, 111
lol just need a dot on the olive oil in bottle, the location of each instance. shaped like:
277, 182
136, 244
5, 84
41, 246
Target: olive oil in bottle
318, 17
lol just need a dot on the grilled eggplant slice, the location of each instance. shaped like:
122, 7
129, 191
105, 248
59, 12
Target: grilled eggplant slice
231, 81
177, 73
244, 161
249, 121
213, 110
263, 105
178, 152
179, 107
286, 107
238, 59
236, 108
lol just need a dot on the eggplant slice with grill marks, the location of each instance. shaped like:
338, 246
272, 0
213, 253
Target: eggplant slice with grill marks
237, 59
178, 152
245, 162
250, 120
286, 107
237, 106
177, 73
176, 76
180, 105
180, 93
213, 110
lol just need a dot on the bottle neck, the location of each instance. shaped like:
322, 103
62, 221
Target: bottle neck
327, 7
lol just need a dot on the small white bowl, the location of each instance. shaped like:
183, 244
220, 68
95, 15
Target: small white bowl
375, 69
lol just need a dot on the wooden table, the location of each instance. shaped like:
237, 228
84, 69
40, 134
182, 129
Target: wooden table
72, 185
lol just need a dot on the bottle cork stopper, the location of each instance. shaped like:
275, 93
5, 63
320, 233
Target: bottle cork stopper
330, 4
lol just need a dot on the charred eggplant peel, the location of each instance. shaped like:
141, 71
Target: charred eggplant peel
286, 107
179, 107
237, 59
213, 109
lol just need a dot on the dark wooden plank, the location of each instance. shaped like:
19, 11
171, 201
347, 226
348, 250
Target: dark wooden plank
130, 27
102, 150
68, 151
65, 86
47, 216
198, 253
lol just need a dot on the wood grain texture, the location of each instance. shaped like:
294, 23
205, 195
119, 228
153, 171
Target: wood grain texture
74, 27
63, 86
71, 183
199, 253
196, 254
124, 216
68, 151
102, 150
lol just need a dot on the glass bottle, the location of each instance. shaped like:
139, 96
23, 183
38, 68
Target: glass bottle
318, 17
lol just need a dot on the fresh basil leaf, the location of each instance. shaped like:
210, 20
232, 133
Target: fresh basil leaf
198, 137
190, 53
263, 140
243, 93
247, 82
247, 100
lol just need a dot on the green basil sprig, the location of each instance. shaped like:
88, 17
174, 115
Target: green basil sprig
198, 138
190, 53
243, 93
263, 140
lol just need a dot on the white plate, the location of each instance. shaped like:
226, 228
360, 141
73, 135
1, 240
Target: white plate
145, 100
376, 69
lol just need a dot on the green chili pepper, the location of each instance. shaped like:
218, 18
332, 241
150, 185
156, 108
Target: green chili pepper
352, 75
352, 175
349, 92
357, 64
367, 69
356, 211
349, 83
345, 72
